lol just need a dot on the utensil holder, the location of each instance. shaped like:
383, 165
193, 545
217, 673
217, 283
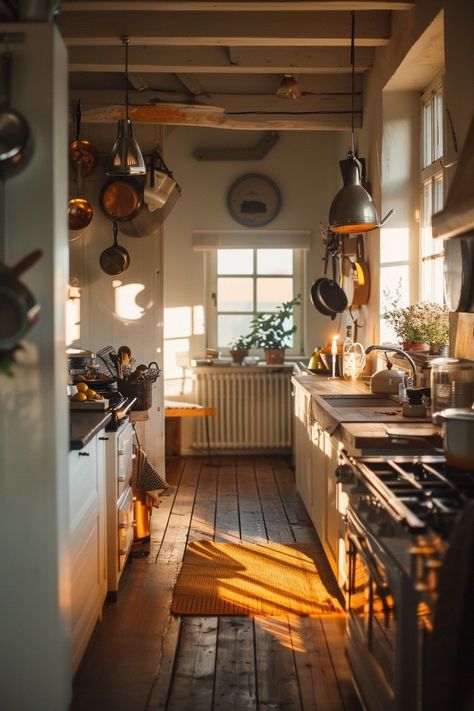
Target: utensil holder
141, 389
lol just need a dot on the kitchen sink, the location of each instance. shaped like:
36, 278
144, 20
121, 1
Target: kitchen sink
360, 401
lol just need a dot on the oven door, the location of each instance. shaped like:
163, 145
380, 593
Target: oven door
124, 457
382, 634
125, 526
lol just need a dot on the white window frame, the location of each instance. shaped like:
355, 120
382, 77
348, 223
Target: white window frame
211, 298
432, 172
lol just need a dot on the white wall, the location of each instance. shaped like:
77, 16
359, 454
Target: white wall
305, 167
101, 323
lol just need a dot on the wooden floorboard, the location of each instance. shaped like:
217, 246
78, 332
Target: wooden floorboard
143, 658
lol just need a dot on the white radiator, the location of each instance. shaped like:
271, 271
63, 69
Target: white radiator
253, 409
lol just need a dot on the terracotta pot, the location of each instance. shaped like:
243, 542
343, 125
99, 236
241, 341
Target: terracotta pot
238, 355
274, 356
412, 346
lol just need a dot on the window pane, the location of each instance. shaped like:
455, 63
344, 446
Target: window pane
427, 134
235, 261
234, 294
394, 244
230, 326
438, 119
274, 261
394, 287
271, 292
438, 193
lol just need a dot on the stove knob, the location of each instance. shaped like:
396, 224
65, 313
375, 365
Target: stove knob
345, 474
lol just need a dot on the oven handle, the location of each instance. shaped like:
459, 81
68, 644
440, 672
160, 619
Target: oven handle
360, 545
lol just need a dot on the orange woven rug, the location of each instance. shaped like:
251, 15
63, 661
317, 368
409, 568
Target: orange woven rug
250, 579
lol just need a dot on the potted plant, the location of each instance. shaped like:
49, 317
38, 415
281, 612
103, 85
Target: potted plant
272, 331
423, 326
239, 348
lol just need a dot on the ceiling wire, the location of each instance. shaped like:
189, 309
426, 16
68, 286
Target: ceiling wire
353, 74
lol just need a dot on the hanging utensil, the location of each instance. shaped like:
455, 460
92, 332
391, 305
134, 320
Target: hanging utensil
125, 354
19, 309
79, 210
360, 275
115, 259
81, 149
16, 141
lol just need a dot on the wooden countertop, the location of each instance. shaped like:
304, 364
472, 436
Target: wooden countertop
364, 430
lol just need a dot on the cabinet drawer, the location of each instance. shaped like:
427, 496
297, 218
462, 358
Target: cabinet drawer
82, 481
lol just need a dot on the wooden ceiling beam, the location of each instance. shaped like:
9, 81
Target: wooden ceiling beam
219, 60
232, 6
215, 117
244, 29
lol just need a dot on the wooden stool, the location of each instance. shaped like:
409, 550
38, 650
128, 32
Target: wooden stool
176, 409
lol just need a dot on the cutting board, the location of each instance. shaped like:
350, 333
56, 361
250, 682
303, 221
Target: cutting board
89, 405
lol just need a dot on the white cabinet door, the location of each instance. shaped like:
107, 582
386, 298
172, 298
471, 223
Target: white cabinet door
87, 542
303, 447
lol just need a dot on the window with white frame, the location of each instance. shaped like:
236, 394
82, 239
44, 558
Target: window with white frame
432, 192
243, 283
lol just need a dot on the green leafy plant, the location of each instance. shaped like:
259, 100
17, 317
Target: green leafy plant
242, 343
273, 330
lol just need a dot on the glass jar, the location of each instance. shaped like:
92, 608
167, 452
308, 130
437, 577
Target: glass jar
452, 383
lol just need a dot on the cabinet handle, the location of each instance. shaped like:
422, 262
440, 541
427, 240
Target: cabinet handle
84, 454
104, 439
121, 477
121, 452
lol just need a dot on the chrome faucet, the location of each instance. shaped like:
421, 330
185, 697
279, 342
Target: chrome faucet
391, 349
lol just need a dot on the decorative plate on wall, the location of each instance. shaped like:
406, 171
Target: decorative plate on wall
254, 200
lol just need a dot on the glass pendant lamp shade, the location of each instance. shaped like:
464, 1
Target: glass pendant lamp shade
352, 209
126, 157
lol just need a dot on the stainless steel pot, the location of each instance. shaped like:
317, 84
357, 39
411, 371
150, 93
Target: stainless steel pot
16, 141
458, 435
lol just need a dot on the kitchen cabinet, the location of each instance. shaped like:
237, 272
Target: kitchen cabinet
87, 539
316, 460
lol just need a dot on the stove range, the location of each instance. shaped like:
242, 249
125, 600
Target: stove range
405, 522
119, 406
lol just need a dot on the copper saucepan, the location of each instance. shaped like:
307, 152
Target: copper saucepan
81, 149
115, 259
79, 210
121, 198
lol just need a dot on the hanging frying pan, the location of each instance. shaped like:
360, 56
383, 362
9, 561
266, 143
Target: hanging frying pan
326, 294
458, 273
19, 309
79, 210
81, 149
360, 276
115, 259
121, 198
16, 141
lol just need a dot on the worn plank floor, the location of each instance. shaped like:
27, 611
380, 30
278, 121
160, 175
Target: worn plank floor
143, 658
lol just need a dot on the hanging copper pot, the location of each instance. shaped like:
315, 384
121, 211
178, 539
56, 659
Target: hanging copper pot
121, 198
79, 210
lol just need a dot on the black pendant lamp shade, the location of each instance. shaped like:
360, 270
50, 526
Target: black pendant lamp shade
126, 157
353, 209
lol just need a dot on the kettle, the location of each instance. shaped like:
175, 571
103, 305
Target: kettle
388, 380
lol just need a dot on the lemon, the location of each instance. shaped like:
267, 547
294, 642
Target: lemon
97, 396
79, 397
82, 387
90, 394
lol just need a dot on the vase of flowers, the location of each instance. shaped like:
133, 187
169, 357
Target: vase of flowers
423, 326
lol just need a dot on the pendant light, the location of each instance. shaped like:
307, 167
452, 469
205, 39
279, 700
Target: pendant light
126, 157
288, 88
353, 209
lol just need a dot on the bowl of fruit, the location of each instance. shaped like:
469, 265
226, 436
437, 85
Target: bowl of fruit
84, 397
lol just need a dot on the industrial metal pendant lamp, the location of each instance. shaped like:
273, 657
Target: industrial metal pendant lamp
353, 209
288, 88
126, 157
